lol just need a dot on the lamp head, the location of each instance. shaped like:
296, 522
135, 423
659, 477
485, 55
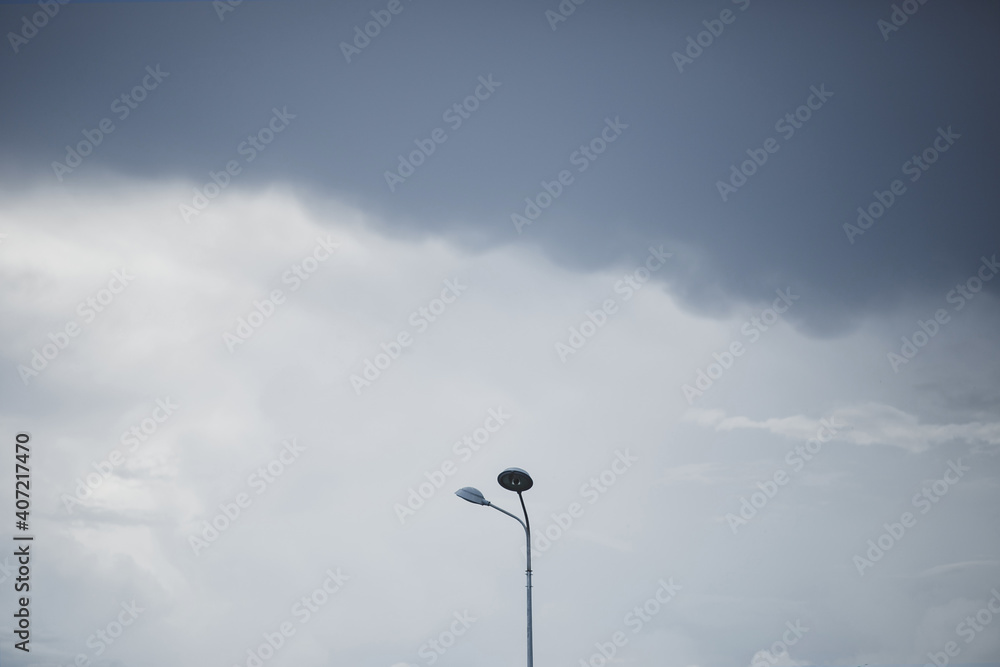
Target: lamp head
515, 479
472, 495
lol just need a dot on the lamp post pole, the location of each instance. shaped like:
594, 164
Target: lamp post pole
527, 537
527, 551
517, 480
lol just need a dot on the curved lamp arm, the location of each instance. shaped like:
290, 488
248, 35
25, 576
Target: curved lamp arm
526, 526
522, 481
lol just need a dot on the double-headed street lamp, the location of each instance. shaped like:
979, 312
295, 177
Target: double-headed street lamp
512, 479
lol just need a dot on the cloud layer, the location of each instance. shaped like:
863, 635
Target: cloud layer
322, 513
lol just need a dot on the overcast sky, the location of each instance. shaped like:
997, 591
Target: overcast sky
280, 277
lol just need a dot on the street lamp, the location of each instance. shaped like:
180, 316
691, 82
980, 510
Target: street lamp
512, 479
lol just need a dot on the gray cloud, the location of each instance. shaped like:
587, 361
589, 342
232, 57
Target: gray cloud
253, 158
557, 87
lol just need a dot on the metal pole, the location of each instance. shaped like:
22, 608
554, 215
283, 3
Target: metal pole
527, 536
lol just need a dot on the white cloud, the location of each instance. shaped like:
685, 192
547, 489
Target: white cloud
334, 507
867, 424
